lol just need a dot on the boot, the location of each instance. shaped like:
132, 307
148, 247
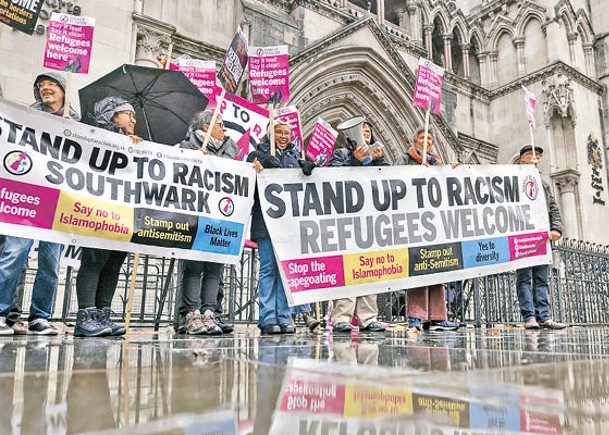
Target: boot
310, 321
294, 319
89, 325
104, 316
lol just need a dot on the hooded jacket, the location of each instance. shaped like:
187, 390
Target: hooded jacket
288, 158
56, 77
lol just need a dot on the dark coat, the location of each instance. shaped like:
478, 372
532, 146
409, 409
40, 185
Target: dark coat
553, 211
288, 158
228, 149
344, 157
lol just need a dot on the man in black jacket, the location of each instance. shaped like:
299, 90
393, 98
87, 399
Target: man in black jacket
533, 300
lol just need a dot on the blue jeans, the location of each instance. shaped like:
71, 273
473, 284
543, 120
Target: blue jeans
299, 309
12, 261
274, 309
533, 301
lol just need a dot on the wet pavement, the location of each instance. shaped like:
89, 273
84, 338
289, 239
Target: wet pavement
467, 382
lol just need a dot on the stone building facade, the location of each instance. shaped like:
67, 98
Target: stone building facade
360, 57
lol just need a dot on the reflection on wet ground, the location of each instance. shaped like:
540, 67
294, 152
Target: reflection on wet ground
471, 381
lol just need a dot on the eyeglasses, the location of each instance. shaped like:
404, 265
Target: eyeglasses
47, 83
126, 112
219, 125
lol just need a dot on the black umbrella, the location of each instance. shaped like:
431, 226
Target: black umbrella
164, 100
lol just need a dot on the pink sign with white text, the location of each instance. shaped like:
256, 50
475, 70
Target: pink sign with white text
202, 74
69, 43
321, 143
290, 115
428, 88
269, 74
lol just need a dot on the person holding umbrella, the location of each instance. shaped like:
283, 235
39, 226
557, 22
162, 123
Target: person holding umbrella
201, 304
100, 268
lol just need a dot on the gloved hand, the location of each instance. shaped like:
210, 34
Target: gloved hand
270, 162
307, 167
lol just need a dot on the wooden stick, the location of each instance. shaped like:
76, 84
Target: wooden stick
66, 99
272, 128
425, 137
532, 138
169, 51
213, 119
136, 261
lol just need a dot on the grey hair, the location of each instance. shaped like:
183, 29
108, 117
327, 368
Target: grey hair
200, 118
421, 129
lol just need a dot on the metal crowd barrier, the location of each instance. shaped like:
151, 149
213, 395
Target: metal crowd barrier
578, 291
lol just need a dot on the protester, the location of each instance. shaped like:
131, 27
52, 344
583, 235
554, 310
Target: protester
304, 311
364, 308
274, 316
100, 268
13, 318
202, 285
49, 92
426, 305
533, 301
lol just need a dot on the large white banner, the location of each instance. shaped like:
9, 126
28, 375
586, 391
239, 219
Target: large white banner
67, 182
346, 232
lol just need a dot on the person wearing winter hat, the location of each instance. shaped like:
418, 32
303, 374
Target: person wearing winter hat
100, 268
49, 93
201, 302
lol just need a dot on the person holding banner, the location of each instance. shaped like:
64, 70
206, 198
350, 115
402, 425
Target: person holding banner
201, 303
364, 308
274, 316
533, 299
426, 305
49, 93
100, 268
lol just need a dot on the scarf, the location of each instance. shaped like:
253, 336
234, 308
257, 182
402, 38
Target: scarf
417, 155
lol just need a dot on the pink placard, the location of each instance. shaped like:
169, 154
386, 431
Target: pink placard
69, 43
269, 74
528, 245
529, 105
428, 88
291, 116
202, 74
313, 397
312, 273
26, 204
321, 143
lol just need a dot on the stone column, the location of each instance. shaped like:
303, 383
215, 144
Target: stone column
519, 45
428, 29
493, 78
448, 63
380, 10
589, 59
572, 38
567, 183
413, 16
484, 73
465, 53
148, 47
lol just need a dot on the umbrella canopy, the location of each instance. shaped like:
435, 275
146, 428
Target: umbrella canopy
164, 100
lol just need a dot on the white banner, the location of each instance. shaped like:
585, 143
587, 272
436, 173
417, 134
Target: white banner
70, 183
346, 232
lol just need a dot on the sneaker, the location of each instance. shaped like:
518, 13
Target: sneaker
414, 322
4, 328
287, 328
88, 324
444, 325
193, 324
373, 327
531, 324
209, 324
104, 317
41, 327
270, 330
342, 328
551, 324
225, 327
19, 328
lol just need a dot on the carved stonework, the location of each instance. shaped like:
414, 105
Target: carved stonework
566, 180
150, 46
557, 94
595, 153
